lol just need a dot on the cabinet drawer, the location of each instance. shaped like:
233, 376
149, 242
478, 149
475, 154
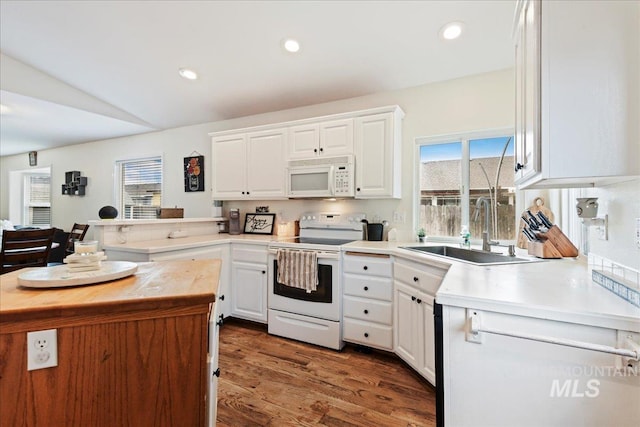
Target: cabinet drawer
368, 309
367, 265
253, 254
367, 333
424, 277
368, 287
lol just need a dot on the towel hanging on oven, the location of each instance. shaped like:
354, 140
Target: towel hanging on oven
298, 269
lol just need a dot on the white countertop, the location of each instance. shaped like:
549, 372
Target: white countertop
550, 289
190, 242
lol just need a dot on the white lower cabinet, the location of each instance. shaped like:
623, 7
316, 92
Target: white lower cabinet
415, 286
213, 371
249, 279
367, 300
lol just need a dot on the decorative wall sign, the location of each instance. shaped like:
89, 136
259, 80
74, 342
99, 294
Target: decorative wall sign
74, 184
259, 223
193, 173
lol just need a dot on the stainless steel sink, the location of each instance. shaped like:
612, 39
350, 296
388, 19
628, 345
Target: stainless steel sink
468, 255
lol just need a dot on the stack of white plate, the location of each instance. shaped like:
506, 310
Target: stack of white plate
85, 262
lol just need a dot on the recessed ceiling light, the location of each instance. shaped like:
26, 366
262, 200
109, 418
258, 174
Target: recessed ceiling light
291, 45
451, 31
188, 74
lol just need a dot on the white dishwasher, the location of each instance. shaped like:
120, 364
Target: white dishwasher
524, 371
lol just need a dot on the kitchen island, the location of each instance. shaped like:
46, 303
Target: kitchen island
130, 352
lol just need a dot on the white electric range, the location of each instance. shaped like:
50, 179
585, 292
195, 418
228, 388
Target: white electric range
313, 317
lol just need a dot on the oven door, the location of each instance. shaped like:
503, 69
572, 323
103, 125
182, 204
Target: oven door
323, 303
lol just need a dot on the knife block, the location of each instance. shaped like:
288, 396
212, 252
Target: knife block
554, 244
544, 249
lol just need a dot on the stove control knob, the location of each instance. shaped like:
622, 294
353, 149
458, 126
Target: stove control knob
304, 217
350, 219
313, 217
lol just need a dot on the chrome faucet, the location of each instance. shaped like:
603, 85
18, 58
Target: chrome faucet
486, 239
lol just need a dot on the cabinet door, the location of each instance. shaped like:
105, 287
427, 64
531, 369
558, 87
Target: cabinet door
266, 165
213, 371
406, 336
428, 361
528, 101
229, 167
304, 141
249, 291
223, 297
336, 137
374, 150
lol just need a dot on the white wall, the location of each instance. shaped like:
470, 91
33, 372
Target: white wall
466, 104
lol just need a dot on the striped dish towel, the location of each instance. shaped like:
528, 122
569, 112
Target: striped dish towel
298, 269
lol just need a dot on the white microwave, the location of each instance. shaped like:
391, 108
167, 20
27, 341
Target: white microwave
321, 177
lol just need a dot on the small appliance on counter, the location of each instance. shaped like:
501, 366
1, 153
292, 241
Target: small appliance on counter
234, 221
223, 226
374, 231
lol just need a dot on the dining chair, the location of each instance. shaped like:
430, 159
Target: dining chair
78, 231
25, 248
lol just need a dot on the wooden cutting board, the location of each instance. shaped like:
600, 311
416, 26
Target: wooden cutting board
536, 206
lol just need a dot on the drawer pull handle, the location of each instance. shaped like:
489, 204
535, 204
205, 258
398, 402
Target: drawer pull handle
217, 373
264, 272
366, 312
366, 288
221, 321
365, 267
419, 301
415, 279
366, 334
413, 298
221, 298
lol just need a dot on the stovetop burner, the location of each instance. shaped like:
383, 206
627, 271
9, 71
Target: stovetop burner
321, 241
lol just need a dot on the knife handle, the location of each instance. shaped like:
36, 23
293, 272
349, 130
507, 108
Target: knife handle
547, 223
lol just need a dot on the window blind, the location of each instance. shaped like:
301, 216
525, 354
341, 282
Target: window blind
39, 200
140, 187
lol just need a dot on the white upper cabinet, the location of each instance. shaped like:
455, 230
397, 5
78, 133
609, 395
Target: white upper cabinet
378, 157
577, 92
327, 138
249, 165
229, 167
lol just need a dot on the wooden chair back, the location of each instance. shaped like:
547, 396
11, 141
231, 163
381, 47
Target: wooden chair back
25, 248
78, 231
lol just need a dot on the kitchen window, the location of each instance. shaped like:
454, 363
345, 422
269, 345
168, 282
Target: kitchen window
458, 171
139, 184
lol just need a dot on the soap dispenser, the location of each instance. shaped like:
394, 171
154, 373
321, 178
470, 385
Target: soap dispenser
466, 237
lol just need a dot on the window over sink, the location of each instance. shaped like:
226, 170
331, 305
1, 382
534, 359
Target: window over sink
455, 172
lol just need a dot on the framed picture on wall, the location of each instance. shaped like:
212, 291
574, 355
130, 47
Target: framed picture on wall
193, 173
259, 223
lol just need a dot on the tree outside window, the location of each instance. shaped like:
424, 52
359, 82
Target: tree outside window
454, 174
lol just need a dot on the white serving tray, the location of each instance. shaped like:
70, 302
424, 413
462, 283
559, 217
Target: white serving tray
60, 276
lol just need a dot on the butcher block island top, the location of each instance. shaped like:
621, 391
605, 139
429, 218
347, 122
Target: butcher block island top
132, 351
158, 285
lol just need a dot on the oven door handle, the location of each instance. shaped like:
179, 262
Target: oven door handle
320, 254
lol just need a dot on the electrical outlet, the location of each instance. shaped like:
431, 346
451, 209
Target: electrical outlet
42, 349
399, 217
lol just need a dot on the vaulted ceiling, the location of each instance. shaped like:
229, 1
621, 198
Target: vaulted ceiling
81, 71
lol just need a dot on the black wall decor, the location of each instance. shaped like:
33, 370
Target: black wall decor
193, 173
74, 184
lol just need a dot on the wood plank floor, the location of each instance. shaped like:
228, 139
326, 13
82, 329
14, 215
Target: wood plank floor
271, 381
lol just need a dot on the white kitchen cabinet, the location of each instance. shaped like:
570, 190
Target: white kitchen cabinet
249, 282
367, 300
249, 165
577, 92
377, 155
415, 286
327, 138
213, 371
